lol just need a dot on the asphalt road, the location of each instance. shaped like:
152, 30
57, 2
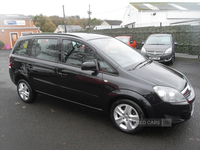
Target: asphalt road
52, 124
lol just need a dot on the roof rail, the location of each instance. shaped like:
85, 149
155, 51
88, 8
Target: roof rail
52, 34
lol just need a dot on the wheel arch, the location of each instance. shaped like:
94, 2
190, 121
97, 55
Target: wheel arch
135, 97
21, 76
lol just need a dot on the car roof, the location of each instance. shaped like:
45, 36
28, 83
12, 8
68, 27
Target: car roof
85, 36
89, 36
160, 35
122, 36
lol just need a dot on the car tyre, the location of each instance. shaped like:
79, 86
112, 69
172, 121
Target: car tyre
25, 91
126, 115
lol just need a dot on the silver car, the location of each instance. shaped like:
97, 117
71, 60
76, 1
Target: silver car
160, 47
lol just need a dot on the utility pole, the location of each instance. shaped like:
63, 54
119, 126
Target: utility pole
64, 19
89, 13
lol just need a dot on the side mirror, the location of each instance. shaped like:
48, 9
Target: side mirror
142, 43
175, 43
89, 66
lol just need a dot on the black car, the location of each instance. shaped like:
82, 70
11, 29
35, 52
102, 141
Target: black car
160, 47
102, 73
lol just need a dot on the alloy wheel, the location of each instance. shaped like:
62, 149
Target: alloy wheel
126, 117
23, 91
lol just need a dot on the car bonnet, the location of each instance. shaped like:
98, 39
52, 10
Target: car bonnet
160, 48
161, 75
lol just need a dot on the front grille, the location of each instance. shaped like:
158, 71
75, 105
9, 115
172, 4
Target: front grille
154, 53
187, 92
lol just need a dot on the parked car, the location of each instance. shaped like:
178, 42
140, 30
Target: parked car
128, 40
102, 73
160, 47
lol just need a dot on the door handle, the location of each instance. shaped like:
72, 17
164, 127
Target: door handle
29, 66
62, 74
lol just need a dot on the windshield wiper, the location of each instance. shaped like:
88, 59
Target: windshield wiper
149, 61
137, 65
143, 62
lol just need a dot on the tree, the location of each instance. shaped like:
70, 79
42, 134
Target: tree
57, 20
45, 23
77, 17
35, 18
84, 22
95, 22
49, 24
1, 44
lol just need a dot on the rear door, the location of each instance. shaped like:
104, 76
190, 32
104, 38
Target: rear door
74, 84
18, 57
42, 64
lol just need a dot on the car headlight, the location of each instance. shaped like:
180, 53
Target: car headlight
168, 94
143, 50
168, 51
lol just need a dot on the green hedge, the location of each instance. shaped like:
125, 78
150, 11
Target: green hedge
187, 37
1, 44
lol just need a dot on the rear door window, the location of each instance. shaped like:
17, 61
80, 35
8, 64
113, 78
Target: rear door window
22, 47
45, 49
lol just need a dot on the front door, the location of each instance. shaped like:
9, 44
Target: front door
14, 38
74, 84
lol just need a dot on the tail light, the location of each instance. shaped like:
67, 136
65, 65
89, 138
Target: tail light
9, 63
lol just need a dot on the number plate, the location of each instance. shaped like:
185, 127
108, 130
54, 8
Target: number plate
155, 58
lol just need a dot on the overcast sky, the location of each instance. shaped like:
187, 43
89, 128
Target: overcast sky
101, 9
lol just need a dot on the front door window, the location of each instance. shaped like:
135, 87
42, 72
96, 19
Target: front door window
75, 53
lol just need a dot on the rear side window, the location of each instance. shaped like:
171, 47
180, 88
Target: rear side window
46, 49
22, 47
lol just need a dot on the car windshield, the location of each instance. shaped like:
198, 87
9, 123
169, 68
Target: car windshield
125, 40
158, 40
121, 53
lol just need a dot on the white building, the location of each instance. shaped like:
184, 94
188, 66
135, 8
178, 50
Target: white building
161, 14
109, 24
69, 28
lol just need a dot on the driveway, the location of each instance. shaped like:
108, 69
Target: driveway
52, 124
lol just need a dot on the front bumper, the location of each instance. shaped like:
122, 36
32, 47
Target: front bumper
162, 58
177, 112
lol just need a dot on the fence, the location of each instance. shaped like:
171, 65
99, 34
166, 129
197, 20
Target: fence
187, 37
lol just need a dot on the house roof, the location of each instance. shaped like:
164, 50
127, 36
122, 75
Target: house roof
166, 6
113, 22
71, 27
87, 27
6, 16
